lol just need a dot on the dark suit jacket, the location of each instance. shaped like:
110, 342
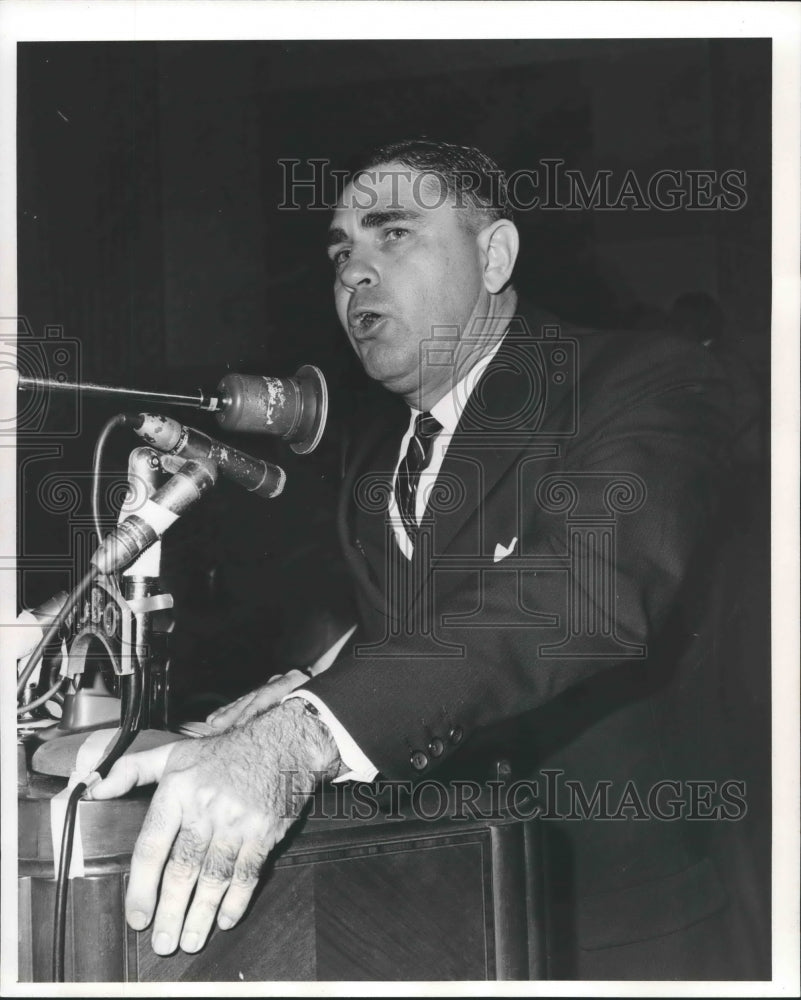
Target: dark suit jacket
603, 455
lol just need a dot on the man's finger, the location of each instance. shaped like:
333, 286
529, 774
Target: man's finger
150, 854
180, 875
248, 705
245, 878
223, 717
212, 884
246, 708
272, 693
131, 770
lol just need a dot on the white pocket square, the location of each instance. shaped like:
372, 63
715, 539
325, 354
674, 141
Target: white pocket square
502, 551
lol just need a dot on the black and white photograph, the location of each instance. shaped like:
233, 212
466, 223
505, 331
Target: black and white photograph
399, 498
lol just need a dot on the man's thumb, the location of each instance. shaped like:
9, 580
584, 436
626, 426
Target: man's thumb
130, 771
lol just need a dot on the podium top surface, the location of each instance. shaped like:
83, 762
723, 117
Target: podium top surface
338, 816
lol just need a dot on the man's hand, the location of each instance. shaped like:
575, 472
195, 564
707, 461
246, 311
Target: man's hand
262, 698
221, 806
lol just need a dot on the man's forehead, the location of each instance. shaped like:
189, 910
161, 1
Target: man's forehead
392, 186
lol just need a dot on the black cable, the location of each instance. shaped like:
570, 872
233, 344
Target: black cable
119, 420
52, 630
60, 916
132, 694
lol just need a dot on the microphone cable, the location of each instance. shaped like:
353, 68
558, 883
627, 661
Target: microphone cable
132, 694
119, 420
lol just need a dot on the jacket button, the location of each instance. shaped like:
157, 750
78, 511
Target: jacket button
436, 746
456, 734
419, 760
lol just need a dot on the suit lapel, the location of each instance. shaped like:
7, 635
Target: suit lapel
521, 397
364, 497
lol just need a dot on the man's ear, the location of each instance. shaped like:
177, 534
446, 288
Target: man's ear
499, 243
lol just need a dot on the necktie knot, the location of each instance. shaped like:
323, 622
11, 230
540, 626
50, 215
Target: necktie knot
416, 459
426, 429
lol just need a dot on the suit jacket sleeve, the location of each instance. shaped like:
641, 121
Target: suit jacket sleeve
570, 600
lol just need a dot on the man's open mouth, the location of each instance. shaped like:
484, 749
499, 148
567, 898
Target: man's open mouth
364, 320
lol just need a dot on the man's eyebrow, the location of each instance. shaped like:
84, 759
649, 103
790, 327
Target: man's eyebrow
336, 235
373, 220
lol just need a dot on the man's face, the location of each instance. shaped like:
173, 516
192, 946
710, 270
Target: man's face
402, 270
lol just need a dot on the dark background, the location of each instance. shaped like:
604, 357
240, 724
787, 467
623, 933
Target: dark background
150, 233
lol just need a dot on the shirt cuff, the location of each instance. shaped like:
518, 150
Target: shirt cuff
360, 767
324, 661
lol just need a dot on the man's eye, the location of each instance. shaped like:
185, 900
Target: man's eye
395, 233
340, 258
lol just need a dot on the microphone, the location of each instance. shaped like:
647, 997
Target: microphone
138, 531
257, 476
294, 409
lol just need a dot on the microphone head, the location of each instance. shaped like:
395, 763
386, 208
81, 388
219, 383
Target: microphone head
294, 409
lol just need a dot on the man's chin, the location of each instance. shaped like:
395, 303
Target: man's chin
399, 382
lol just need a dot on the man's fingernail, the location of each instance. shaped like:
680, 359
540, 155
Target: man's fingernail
225, 923
163, 944
137, 919
190, 942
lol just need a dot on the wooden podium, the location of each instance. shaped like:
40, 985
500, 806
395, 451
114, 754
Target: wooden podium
390, 897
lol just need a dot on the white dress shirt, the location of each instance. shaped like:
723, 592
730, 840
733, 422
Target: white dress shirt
448, 412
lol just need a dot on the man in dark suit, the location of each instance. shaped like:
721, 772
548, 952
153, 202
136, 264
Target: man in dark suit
521, 527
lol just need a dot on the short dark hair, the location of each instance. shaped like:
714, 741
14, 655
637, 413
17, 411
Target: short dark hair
470, 177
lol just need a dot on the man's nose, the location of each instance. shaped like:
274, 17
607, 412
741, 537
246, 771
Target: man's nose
359, 270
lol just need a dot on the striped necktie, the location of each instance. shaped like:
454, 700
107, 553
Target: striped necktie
416, 459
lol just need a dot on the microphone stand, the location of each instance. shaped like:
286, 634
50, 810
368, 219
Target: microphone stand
130, 620
142, 591
199, 401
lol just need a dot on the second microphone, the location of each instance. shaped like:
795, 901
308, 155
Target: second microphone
165, 434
